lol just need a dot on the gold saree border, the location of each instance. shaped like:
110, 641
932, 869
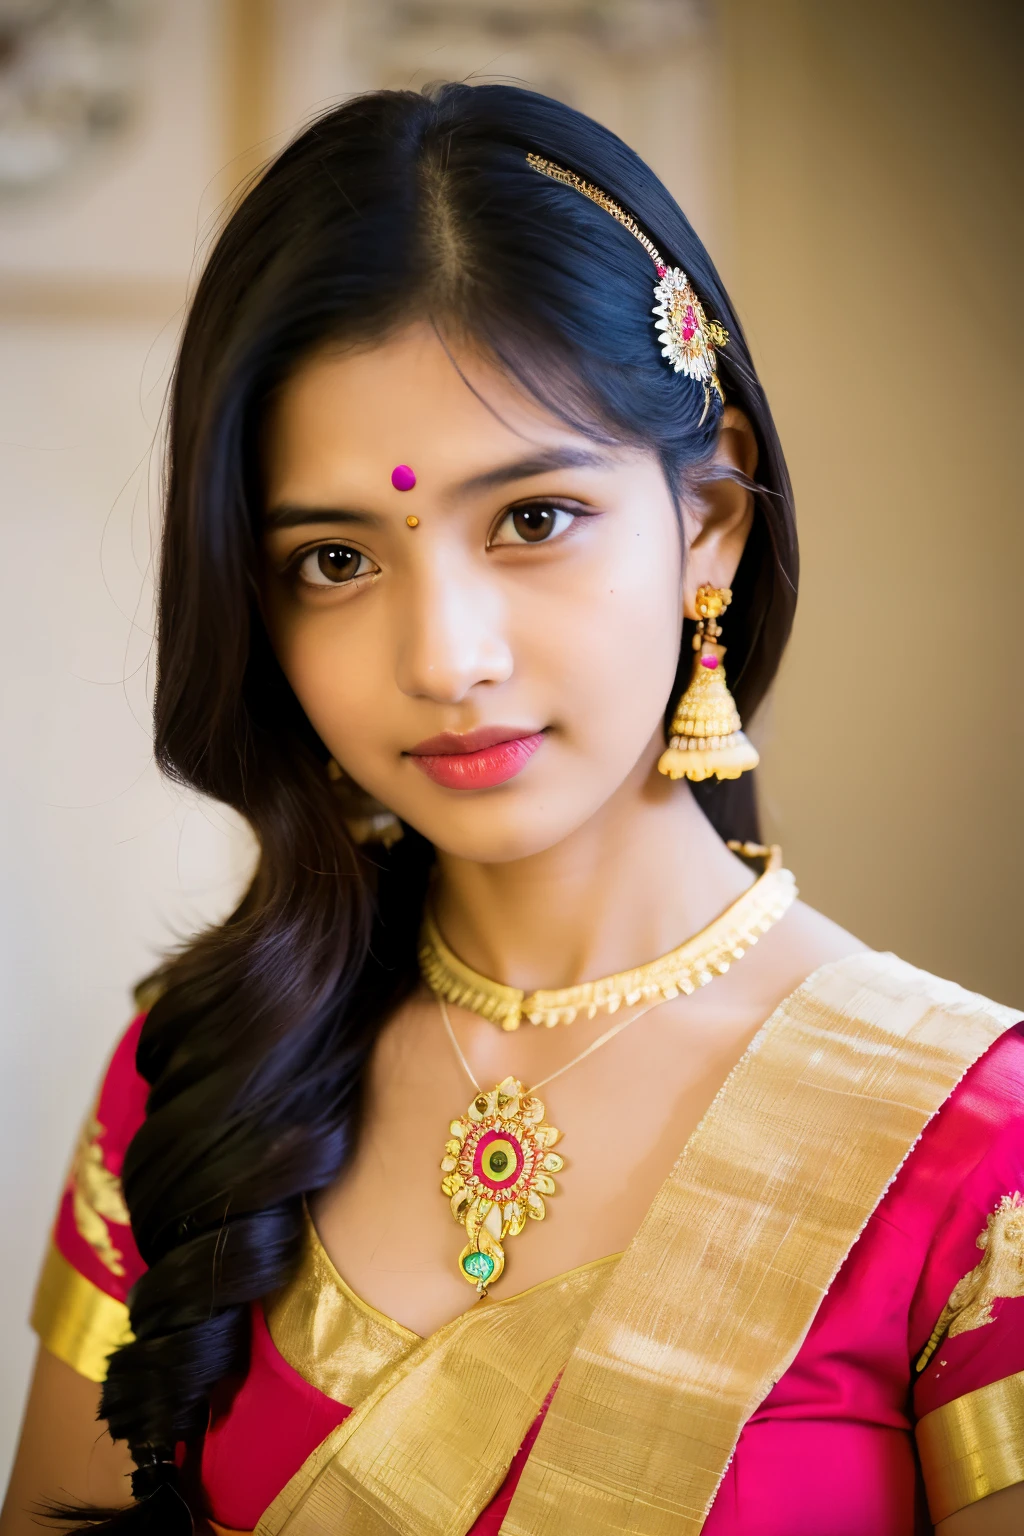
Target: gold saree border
716, 1294
695, 1323
973, 1446
431, 1444
326, 1332
75, 1320
338, 1342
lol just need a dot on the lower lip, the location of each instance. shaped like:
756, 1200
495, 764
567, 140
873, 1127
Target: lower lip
480, 770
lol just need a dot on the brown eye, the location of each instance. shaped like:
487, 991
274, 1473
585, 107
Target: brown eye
337, 563
532, 524
332, 565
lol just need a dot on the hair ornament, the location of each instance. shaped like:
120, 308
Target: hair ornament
688, 337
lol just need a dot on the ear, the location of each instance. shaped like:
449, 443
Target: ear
718, 519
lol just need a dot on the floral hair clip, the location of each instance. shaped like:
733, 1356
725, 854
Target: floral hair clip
688, 337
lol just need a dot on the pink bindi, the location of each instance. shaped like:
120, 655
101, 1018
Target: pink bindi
402, 478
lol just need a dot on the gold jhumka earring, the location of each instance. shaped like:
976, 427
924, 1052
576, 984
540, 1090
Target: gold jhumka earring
707, 740
366, 819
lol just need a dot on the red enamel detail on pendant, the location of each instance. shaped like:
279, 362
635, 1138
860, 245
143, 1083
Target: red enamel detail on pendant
711, 662
481, 1166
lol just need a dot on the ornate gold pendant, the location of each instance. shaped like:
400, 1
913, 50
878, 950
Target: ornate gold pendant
497, 1168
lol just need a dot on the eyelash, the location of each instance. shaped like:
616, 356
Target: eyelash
304, 556
525, 507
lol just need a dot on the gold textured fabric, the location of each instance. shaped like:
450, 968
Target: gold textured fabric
338, 1343
699, 1318
973, 1446
714, 1297
429, 1447
75, 1320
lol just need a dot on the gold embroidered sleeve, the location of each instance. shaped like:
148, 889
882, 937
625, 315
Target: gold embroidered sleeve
973, 1446
75, 1320
998, 1276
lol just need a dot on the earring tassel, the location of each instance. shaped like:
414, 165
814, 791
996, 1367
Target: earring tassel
707, 740
728, 758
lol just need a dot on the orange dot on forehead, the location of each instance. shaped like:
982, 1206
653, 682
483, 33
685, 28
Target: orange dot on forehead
412, 521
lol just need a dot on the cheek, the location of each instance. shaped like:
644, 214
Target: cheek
330, 666
617, 644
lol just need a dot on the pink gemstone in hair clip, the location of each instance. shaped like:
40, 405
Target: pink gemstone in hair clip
402, 478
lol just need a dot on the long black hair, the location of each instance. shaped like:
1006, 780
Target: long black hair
395, 206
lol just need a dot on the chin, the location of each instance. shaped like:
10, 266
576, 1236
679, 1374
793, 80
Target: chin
492, 832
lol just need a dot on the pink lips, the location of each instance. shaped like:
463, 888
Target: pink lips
480, 759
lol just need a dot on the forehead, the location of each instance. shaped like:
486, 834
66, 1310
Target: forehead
347, 417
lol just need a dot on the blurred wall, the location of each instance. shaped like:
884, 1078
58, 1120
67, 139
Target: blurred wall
103, 865
649, 69
874, 254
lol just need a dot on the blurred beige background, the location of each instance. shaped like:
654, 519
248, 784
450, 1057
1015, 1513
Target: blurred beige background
852, 167
875, 254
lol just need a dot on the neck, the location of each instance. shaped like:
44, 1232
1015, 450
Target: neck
646, 873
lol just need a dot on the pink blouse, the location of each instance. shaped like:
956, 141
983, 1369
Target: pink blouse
832, 1447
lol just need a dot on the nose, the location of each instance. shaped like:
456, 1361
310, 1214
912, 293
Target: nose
452, 632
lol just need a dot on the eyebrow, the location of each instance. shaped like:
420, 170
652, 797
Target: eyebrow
287, 516
539, 463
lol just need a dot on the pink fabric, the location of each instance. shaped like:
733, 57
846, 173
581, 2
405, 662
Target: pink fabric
261, 1431
981, 1161
830, 1450
263, 1428
120, 1111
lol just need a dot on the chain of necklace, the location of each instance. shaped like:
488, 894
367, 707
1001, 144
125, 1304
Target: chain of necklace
499, 1164
596, 1045
499, 1161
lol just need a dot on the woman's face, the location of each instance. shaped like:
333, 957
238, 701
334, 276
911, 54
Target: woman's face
532, 615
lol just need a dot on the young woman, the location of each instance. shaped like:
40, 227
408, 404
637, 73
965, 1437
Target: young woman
466, 451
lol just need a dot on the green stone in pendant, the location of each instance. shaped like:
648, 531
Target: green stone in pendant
480, 1266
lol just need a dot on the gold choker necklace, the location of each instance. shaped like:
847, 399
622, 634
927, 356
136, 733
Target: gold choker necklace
707, 955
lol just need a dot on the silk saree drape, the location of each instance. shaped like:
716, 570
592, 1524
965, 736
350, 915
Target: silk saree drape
701, 1316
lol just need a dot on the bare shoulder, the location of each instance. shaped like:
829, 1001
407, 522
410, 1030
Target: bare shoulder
816, 939
792, 950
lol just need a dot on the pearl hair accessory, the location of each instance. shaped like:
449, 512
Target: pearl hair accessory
688, 338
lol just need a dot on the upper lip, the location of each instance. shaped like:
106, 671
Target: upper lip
454, 743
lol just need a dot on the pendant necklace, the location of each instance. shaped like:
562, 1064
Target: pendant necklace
499, 1162
693, 964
